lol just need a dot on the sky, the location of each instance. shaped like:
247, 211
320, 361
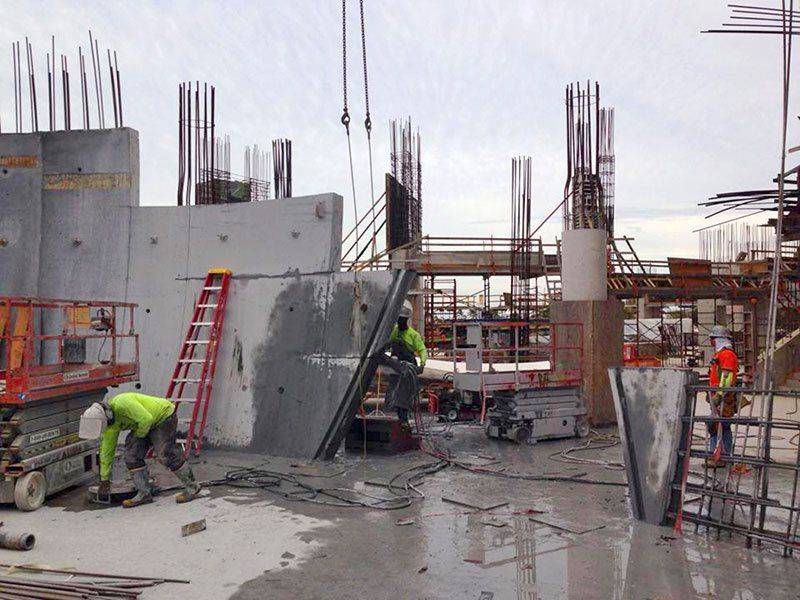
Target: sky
696, 114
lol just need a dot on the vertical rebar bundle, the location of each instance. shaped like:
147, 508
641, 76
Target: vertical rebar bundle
65, 104
282, 168
729, 242
196, 132
584, 204
406, 165
606, 166
520, 250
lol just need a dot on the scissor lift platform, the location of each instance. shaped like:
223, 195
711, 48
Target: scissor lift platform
46, 383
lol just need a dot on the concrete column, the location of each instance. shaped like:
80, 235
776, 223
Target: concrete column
584, 269
602, 327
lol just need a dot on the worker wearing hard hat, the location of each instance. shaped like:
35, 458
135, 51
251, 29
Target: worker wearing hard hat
151, 423
406, 345
722, 373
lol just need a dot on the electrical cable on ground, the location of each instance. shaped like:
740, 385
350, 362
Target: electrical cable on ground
429, 447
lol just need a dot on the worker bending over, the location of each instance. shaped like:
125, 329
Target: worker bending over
405, 344
722, 373
152, 423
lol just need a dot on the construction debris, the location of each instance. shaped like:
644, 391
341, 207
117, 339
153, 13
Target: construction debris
483, 507
193, 527
564, 528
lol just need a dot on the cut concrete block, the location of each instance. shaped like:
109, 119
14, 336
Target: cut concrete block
650, 402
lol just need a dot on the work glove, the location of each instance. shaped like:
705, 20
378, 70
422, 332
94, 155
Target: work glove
103, 490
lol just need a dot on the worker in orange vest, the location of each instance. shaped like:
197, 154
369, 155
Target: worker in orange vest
722, 373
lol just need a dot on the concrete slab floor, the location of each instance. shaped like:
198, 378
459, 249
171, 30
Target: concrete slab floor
257, 546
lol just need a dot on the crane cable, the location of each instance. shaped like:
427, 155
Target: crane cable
345, 119
346, 116
368, 127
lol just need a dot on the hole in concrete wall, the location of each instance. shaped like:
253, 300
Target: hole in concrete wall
5, 171
280, 390
80, 169
147, 310
291, 309
364, 307
138, 386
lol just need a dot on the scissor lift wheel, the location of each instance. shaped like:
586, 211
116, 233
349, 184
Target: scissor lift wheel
30, 491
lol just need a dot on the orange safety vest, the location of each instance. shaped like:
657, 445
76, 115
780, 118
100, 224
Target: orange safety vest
726, 360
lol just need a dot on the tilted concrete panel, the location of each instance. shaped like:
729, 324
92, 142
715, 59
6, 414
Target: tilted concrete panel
650, 402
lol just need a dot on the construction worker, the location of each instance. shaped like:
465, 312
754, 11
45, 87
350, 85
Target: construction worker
722, 373
151, 423
405, 345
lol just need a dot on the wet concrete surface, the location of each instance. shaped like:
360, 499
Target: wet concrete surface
448, 553
260, 546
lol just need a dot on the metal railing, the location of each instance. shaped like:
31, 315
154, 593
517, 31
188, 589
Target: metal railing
43, 347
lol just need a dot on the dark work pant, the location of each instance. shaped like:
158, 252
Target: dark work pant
162, 440
402, 414
727, 437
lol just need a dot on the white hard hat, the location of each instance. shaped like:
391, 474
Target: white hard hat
719, 331
93, 422
407, 309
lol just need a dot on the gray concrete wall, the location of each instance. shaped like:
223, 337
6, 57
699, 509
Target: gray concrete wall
20, 212
294, 328
97, 165
66, 197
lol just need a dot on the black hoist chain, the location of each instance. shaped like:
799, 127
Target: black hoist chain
345, 115
367, 121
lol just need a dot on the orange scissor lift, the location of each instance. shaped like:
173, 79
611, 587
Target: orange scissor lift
56, 358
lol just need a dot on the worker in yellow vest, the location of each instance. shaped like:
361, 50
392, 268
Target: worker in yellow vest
151, 423
406, 345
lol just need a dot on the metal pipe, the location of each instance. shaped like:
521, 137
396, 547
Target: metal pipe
17, 541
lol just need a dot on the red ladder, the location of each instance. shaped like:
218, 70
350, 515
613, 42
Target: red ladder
208, 316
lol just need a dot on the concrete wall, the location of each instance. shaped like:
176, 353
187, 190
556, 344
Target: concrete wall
294, 328
602, 348
49, 183
20, 212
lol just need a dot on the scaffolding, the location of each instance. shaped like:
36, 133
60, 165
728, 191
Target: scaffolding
755, 494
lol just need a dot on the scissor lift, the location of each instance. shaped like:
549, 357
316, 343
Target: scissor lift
47, 381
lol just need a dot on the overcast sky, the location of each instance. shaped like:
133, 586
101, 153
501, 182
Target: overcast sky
695, 114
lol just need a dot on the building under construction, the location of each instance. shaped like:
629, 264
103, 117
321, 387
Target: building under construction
573, 427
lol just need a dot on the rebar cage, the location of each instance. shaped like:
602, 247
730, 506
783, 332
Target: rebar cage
754, 494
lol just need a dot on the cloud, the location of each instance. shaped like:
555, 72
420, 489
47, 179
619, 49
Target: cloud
696, 114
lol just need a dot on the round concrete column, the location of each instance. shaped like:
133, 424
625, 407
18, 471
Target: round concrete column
583, 265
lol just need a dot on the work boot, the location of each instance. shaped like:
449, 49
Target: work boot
192, 487
143, 494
